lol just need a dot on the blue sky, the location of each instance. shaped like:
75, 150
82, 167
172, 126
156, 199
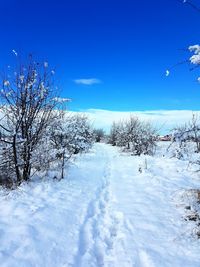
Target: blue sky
125, 46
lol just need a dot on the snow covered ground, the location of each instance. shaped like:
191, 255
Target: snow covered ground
112, 209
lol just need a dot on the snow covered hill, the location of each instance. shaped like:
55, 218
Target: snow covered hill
112, 209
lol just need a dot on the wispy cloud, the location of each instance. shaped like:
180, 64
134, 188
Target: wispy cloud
89, 81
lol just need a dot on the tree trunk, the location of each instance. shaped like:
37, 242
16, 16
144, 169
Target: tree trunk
63, 165
17, 171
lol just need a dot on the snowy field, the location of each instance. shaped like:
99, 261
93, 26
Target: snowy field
112, 209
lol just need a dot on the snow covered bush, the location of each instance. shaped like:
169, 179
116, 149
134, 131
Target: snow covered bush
27, 104
186, 139
134, 135
116, 136
79, 133
70, 134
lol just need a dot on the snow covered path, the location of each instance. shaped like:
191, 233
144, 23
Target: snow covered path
111, 210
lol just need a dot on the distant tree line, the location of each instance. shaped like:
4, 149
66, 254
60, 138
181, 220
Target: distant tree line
134, 135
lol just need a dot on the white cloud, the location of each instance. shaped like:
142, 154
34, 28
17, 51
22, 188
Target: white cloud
163, 120
89, 81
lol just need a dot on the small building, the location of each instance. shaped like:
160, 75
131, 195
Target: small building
167, 137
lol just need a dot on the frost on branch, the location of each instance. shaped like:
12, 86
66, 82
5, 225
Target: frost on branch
167, 72
46, 64
6, 83
195, 58
27, 107
14, 52
62, 100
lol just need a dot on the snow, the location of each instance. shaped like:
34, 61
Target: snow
61, 100
14, 52
195, 49
46, 64
111, 210
6, 83
167, 72
195, 58
21, 78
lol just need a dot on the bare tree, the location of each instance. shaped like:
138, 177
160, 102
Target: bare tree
27, 104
